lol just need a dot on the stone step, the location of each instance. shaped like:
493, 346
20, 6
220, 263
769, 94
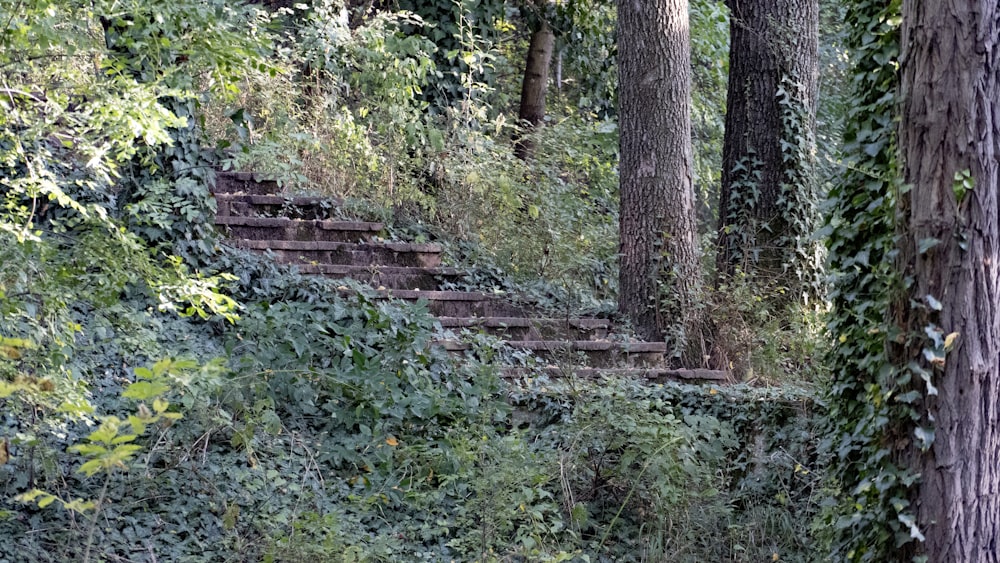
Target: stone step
454, 303
392, 277
526, 328
299, 207
347, 253
597, 353
245, 183
654, 375
281, 228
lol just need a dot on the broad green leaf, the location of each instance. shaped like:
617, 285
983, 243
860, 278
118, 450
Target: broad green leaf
91, 467
144, 390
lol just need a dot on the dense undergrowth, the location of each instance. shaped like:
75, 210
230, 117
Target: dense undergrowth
165, 399
319, 427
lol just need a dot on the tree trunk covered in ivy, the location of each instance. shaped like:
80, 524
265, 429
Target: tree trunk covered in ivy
767, 203
660, 279
949, 141
536, 81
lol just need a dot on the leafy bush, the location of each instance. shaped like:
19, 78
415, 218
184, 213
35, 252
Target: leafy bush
761, 335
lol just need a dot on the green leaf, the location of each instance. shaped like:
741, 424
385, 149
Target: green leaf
30, 496
926, 244
137, 424
79, 505
91, 467
124, 438
925, 437
89, 450
144, 390
160, 405
911, 524
962, 184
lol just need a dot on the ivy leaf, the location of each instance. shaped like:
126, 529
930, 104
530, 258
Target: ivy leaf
926, 244
925, 436
933, 357
910, 523
963, 184
924, 375
934, 332
933, 303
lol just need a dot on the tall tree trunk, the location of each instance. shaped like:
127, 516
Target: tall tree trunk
950, 248
660, 277
535, 84
767, 154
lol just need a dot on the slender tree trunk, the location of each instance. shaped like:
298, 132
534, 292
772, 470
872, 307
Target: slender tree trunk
773, 49
535, 84
660, 276
950, 123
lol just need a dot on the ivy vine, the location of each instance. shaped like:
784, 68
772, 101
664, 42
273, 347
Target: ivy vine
870, 517
798, 198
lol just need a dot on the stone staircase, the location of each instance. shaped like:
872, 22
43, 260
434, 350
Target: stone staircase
254, 215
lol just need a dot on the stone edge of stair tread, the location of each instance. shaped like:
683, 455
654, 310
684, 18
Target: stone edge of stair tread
324, 224
434, 295
647, 373
242, 176
576, 345
276, 199
325, 245
521, 322
375, 269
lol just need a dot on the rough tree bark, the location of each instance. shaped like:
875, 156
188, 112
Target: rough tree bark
660, 277
950, 123
770, 40
535, 83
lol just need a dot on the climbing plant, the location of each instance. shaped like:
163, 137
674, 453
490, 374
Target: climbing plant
870, 516
798, 197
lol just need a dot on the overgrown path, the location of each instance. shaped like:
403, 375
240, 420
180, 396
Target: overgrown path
300, 231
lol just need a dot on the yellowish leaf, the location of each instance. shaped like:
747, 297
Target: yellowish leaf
10, 352
392, 441
159, 405
949, 340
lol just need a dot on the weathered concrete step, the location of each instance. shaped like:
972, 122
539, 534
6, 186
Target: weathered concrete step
654, 375
598, 353
282, 228
346, 253
392, 277
244, 182
526, 328
455, 303
299, 207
